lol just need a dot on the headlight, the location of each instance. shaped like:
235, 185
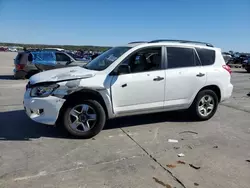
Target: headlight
43, 91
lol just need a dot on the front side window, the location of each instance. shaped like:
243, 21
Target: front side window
104, 60
145, 60
181, 57
62, 57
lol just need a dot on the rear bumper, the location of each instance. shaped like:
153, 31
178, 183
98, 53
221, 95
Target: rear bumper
227, 92
19, 74
28, 70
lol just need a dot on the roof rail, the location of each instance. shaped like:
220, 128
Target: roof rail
138, 42
182, 41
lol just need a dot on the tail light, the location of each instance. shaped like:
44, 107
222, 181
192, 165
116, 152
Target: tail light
227, 68
27, 86
20, 66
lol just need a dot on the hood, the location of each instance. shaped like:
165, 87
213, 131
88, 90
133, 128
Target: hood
62, 74
81, 61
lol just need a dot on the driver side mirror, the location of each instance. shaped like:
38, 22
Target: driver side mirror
123, 69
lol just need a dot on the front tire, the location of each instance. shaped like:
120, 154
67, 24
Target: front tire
205, 105
248, 70
84, 118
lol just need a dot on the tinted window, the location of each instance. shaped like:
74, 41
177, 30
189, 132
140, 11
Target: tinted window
18, 57
181, 57
207, 57
62, 57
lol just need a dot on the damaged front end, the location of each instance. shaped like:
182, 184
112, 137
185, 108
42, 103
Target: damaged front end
58, 89
67, 88
59, 82
43, 101
48, 92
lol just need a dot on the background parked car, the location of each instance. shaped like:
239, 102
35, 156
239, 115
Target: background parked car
226, 56
29, 63
3, 49
12, 49
24, 68
246, 64
237, 58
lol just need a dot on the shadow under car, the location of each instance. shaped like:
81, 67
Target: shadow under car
16, 126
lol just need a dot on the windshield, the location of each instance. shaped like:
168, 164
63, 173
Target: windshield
102, 61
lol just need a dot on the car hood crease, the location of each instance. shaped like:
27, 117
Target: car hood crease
62, 74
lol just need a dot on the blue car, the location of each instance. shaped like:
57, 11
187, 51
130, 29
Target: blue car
31, 62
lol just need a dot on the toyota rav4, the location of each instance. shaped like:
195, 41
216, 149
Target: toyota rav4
137, 78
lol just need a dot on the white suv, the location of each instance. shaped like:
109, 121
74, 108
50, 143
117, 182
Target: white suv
138, 78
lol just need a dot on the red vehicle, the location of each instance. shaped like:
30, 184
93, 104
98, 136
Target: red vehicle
3, 49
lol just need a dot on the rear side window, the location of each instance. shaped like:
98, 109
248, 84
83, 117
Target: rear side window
18, 57
181, 57
24, 59
207, 56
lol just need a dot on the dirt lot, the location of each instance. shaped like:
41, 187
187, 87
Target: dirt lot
130, 152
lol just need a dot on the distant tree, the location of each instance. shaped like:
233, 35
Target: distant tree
66, 47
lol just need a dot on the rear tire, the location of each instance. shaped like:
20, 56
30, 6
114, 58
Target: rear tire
205, 105
86, 127
248, 70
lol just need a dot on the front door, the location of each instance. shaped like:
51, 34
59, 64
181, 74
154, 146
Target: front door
184, 77
62, 60
143, 88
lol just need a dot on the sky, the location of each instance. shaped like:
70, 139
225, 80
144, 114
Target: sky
224, 23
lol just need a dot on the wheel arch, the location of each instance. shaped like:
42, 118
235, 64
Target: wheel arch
214, 88
84, 94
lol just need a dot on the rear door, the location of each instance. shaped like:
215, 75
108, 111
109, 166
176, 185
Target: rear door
184, 77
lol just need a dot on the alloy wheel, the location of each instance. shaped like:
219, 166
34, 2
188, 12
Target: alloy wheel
82, 118
206, 105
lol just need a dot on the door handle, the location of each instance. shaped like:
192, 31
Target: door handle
200, 74
158, 78
124, 85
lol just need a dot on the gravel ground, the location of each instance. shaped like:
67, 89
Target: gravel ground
130, 152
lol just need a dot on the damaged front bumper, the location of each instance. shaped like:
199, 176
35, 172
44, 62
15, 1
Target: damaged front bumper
42, 110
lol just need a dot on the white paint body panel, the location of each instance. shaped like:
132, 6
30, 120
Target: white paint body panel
181, 85
141, 95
